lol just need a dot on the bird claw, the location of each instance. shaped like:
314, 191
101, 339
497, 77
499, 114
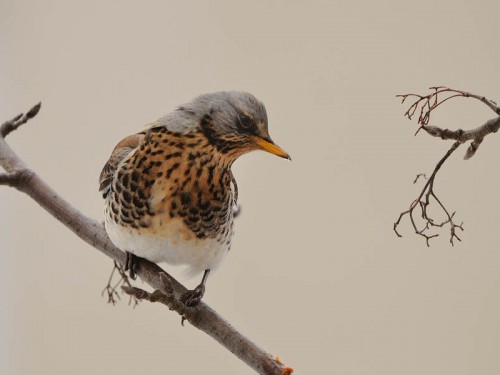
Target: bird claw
131, 265
191, 298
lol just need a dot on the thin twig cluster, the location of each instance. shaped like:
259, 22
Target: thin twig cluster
424, 105
113, 286
423, 201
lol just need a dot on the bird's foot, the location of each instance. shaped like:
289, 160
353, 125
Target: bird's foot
131, 264
191, 298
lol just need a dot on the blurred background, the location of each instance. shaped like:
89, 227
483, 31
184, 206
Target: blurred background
316, 274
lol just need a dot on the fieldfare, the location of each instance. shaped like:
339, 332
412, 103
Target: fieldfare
169, 191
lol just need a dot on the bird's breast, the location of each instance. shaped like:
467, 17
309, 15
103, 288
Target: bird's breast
174, 178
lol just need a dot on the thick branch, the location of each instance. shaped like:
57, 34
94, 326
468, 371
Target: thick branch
202, 317
476, 135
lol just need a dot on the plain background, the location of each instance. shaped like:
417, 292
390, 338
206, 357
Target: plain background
316, 274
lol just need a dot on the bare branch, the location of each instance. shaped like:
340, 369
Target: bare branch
490, 103
165, 295
476, 135
9, 126
438, 96
167, 289
424, 105
424, 200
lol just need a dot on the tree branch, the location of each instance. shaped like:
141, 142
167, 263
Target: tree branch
9, 126
424, 105
167, 289
423, 201
476, 135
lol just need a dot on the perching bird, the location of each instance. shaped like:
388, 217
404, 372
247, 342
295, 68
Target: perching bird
169, 190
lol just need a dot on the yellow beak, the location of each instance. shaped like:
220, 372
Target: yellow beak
269, 146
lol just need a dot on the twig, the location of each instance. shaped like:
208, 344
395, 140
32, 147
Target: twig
111, 288
430, 102
9, 126
423, 175
423, 202
19, 176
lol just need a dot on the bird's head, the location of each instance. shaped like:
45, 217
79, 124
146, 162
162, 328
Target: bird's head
234, 122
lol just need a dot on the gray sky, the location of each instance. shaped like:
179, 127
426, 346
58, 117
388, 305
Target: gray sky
315, 274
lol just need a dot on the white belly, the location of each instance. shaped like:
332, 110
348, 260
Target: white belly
170, 244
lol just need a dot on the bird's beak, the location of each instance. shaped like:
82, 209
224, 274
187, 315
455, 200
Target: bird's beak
269, 146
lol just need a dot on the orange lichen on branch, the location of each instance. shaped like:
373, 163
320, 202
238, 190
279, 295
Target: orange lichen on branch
284, 370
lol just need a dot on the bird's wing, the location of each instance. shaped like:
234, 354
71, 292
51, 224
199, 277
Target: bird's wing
121, 151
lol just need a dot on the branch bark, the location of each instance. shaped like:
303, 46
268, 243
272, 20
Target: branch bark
476, 135
167, 289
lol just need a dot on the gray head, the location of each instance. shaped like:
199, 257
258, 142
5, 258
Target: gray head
234, 121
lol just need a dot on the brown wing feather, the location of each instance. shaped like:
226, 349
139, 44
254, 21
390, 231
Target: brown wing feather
122, 149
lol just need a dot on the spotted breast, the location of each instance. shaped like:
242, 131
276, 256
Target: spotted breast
170, 199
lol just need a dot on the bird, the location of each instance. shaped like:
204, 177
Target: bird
169, 191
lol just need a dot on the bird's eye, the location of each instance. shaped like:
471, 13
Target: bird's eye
245, 121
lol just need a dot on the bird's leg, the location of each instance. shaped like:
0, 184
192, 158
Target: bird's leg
131, 264
193, 297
